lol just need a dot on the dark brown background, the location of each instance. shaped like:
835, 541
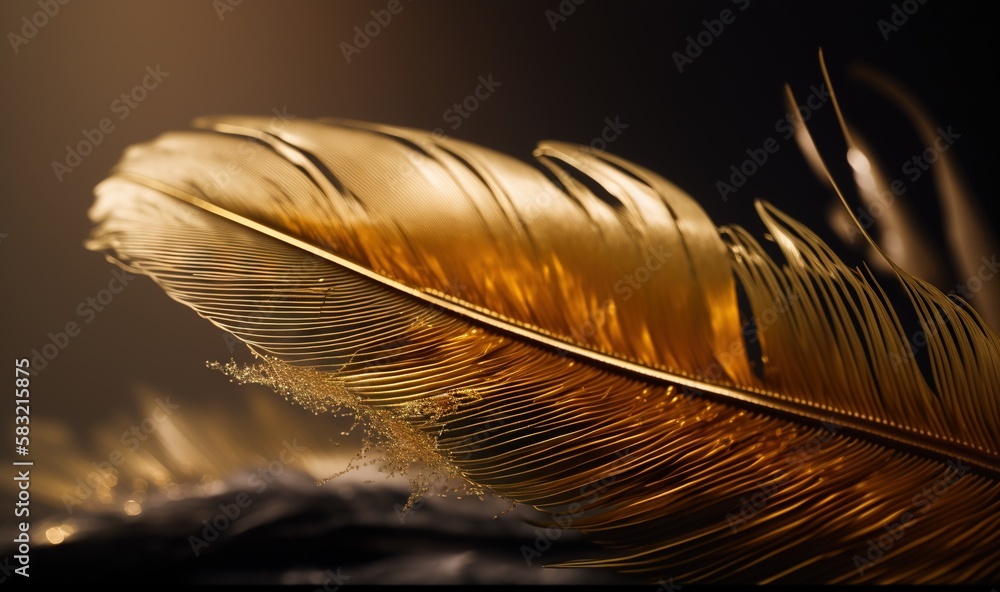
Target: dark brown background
606, 60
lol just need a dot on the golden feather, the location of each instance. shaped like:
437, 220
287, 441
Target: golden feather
576, 338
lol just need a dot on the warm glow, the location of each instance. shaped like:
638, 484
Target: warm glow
859, 162
133, 508
55, 535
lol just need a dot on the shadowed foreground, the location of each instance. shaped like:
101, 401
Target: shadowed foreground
294, 532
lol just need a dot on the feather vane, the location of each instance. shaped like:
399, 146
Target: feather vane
575, 338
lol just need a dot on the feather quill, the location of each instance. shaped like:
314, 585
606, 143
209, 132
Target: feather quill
575, 338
